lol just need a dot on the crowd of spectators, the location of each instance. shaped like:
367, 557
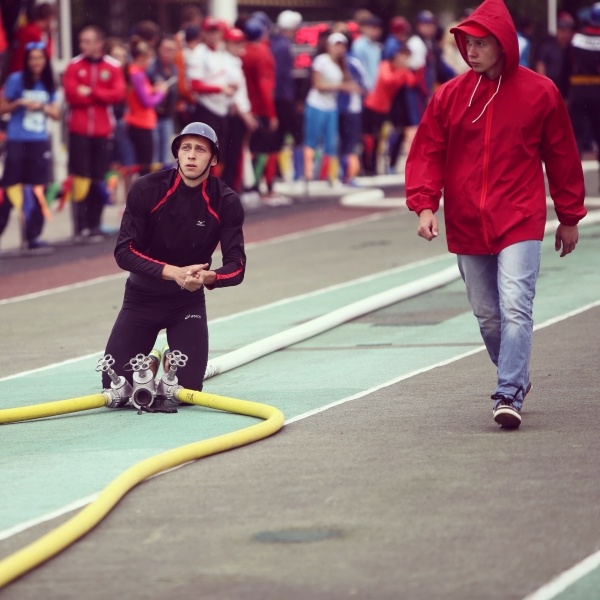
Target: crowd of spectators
289, 100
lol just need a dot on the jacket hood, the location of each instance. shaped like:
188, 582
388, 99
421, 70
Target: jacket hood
493, 16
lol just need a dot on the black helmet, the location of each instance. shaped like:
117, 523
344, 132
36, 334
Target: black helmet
200, 129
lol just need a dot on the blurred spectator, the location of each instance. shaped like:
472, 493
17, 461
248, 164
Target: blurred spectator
452, 61
3, 48
148, 31
416, 97
553, 51
163, 68
583, 65
427, 29
367, 49
330, 75
240, 118
142, 98
290, 121
209, 79
524, 33
350, 109
191, 16
38, 30
185, 103
123, 153
93, 82
29, 97
259, 69
400, 31
393, 75
399, 116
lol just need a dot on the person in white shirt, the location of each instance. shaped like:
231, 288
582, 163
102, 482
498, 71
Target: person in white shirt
210, 79
330, 75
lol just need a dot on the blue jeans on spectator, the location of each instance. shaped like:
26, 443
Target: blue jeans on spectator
500, 289
163, 136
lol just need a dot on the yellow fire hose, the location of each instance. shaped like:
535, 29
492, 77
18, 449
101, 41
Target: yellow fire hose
58, 539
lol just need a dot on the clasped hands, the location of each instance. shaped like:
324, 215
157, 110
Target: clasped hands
190, 278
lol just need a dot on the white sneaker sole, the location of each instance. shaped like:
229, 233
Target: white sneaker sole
508, 418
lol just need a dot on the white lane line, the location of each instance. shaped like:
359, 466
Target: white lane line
566, 578
20, 527
16, 529
338, 286
250, 246
443, 363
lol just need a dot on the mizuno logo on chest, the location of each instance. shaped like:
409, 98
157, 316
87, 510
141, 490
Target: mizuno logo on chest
200, 223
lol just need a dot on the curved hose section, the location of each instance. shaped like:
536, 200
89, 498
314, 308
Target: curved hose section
52, 543
52, 409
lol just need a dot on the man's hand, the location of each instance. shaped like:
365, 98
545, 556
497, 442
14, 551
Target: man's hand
428, 225
84, 90
190, 278
566, 238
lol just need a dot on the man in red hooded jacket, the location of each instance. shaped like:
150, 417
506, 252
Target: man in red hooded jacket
483, 139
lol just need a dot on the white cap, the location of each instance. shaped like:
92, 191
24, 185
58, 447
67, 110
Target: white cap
337, 38
289, 19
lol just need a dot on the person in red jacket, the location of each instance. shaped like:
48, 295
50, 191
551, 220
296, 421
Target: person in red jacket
392, 76
37, 30
484, 139
3, 47
93, 82
258, 65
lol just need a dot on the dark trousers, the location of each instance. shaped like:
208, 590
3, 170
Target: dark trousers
142, 317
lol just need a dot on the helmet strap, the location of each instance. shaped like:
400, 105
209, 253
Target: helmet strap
208, 166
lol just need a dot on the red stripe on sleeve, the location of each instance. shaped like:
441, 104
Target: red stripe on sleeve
207, 200
138, 253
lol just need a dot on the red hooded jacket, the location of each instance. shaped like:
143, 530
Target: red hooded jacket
484, 141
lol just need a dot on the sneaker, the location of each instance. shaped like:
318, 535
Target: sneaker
505, 414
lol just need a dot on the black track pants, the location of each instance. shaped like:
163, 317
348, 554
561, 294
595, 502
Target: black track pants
141, 318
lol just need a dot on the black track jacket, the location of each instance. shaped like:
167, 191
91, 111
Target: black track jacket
167, 222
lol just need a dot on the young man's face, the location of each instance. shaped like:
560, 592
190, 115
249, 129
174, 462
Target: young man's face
194, 155
485, 55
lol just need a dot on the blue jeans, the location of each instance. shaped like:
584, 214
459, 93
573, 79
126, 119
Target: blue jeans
500, 289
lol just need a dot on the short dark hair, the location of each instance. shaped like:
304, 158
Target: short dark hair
43, 11
46, 76
96, 29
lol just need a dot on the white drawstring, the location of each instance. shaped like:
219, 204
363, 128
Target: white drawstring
488, 102
478, 82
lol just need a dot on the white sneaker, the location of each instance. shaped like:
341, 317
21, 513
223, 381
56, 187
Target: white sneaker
506, 415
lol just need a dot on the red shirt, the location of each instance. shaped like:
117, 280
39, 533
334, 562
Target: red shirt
3, 42
141, 100
389, 81
26, 34
258, 65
